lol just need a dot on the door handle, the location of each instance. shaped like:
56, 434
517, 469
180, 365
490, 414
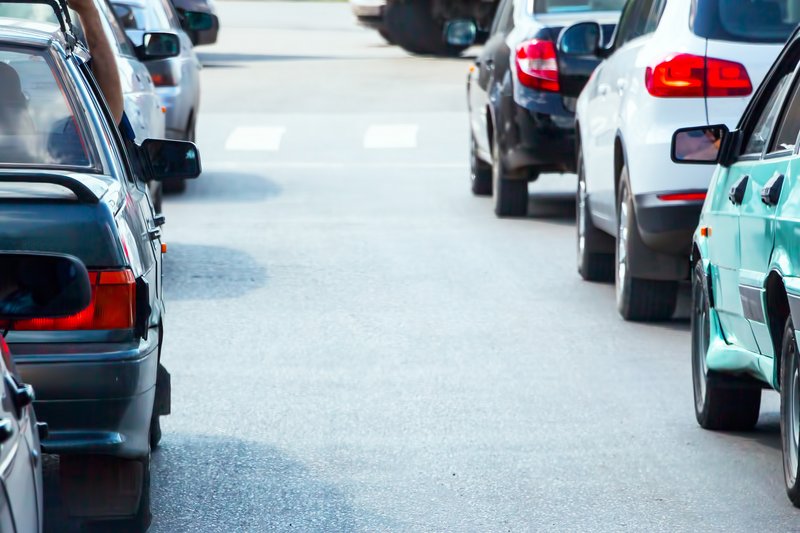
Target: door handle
489, 63
621, 83
154, 234
771, 192
602, 89
736, 195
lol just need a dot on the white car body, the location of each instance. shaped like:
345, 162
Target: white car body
615, 107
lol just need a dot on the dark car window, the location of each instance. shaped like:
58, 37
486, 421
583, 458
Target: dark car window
171, 14
576, 6
789, 125
633, 22
123, 44
38, 124
768, 21
140, 17
763, 125
501, 17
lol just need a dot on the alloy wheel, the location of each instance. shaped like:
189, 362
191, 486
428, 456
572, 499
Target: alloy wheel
701, 333
792, 415
622, 248
581, 222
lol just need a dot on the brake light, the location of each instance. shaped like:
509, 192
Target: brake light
683, 197
537, 67
113, 306
164, 80
7, 358
687, 76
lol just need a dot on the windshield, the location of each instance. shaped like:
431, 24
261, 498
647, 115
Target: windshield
576, 6
37, 122
136, 17
767, 21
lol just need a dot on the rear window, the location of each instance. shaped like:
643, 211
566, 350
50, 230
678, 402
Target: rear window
762, 21
37, 122
138, 17
542, 7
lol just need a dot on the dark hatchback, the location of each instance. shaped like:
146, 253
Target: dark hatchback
522, 107
70, 184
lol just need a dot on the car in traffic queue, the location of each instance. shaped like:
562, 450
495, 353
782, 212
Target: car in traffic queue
142, 103
522, 122
32, 286
199, 37
671, 63
71, 184
177, 77
745, 269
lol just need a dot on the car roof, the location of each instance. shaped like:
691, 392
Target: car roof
27, 32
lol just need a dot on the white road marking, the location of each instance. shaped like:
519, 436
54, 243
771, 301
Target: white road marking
255, 139
391, 136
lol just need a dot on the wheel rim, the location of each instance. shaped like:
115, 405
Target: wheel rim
701, 333
622, 247
581, 223
792, 416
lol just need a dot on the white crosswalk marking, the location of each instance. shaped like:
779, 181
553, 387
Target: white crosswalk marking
255, 139
391, 136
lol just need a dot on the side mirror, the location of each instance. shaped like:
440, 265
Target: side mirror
196, 21
172, 159
698, 145
461, 32
38, 285
582, 39
158, 45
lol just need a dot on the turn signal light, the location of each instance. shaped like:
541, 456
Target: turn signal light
113, 306
687, 75
537, 67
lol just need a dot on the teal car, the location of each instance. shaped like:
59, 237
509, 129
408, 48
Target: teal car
746, 263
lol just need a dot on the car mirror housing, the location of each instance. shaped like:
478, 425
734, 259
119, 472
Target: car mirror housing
39, 285
197, 21
172, 159
698, 145
582, 39
461, 32
159, 45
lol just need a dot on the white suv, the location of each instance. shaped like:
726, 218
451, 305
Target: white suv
672, 63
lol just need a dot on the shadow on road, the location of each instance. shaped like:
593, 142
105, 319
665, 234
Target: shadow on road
227, 186
225, 484
767, 433
558, 208
198, 272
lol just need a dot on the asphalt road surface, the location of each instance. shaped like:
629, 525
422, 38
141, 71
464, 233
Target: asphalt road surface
358, 344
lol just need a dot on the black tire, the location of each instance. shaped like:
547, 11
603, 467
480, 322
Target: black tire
790, 412
595, 247
161, 406
155, 431
411, 26
480, 173
719, 404
638, 299
97, 483
158, 198
385, 34
510, 189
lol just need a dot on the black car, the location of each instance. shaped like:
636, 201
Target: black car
32, 286
71, 184
522, 108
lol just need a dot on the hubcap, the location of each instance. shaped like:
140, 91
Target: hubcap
581, 219
792, 433
622, 248
701, 331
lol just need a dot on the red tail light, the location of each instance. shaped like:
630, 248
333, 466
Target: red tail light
537, 67
7, 358
683, 197
113, 306
686, 76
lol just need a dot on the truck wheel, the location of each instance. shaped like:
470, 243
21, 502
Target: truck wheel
718, 403
385, 34
410, 25
637, 299
480, 173
109, 493
510, 188
595, 247
790, 412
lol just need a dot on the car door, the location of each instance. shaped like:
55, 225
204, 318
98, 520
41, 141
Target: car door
725, 245
482, 77
605, 102
757, 220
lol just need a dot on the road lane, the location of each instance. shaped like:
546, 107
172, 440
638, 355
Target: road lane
358, 344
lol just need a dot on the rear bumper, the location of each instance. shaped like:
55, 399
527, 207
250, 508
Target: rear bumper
667, 227
94, 398
542, 136
368, 11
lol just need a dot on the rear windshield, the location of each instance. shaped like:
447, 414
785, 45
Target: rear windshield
541, 7
37, 121
763, 21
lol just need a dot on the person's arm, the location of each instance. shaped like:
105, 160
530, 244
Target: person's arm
104, 65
